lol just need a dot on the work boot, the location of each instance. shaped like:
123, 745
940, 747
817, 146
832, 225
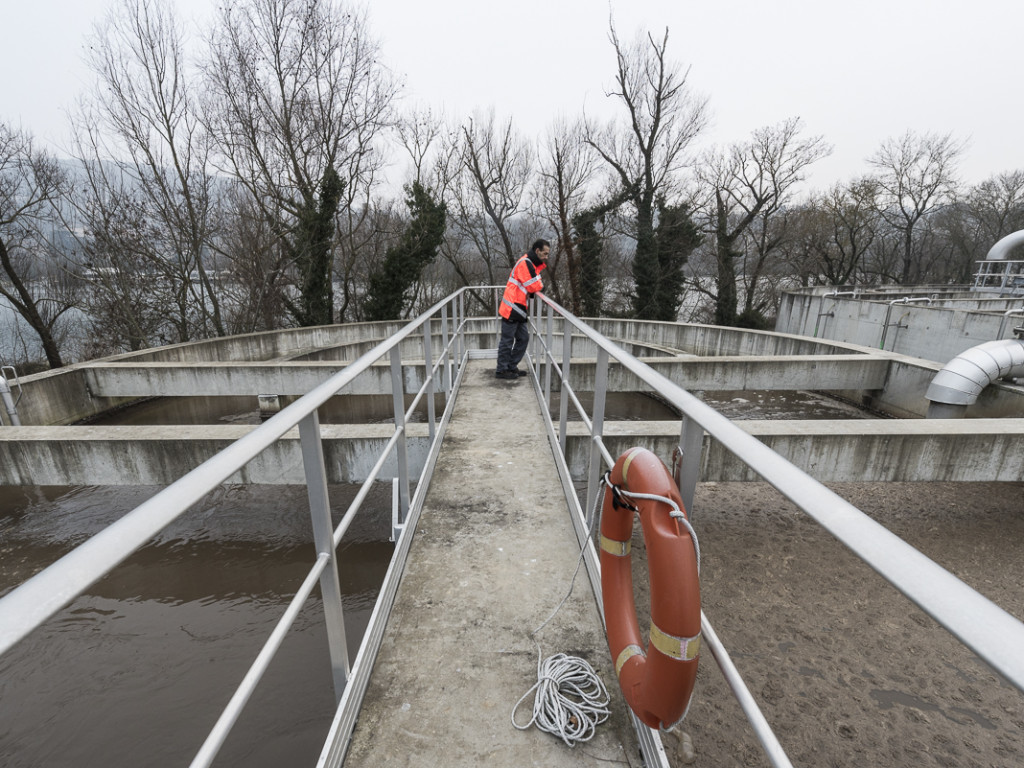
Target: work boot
506, 375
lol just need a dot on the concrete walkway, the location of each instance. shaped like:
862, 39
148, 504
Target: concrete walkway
492, 557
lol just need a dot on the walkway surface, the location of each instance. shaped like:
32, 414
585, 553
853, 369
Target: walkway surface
492, 556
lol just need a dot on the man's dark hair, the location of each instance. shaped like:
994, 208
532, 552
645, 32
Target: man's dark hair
538, 244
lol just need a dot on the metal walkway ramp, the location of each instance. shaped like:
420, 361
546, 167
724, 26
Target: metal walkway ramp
492, 556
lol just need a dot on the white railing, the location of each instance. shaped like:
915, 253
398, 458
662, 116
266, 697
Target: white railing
32, 603
992, 633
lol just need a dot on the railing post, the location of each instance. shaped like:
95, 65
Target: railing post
5, 394
536, 355
323, 538
686, 462
460, 325
397, 396
549, 354
497, 314
597, 430
563, 390
446, 375
428, 369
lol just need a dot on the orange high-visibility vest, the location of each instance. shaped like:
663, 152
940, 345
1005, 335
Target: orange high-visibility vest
523, 280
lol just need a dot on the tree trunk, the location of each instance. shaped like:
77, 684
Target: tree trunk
725, 307
25, 305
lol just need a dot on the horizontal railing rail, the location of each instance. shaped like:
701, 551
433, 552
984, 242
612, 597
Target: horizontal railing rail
31, 604
988, 630
992, 633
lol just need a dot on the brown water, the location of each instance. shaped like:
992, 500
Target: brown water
137, 670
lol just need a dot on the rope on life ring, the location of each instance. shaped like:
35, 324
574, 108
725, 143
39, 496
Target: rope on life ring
656, 682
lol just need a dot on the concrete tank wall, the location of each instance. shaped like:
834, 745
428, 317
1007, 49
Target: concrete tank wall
938, 332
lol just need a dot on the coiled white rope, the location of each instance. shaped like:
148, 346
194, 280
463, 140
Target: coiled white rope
571, 699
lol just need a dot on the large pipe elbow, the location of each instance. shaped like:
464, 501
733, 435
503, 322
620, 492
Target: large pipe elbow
964, 377
1001, 250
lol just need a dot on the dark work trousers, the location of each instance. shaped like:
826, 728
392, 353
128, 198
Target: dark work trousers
512, 345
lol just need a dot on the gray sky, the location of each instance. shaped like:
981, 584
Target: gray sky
855, 73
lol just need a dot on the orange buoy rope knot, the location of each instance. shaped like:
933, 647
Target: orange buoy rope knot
657, 682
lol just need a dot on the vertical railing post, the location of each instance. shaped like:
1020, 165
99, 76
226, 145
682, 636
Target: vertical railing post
686, 464
597, 431
428, 371
446, 371
537, 356
460, 326
398, 397
497, 313
549, 357
563, 389
323, 538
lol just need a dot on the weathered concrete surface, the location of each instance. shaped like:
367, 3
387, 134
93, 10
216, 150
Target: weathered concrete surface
842, 372
839, 451
856, 450
493, 554
159, 455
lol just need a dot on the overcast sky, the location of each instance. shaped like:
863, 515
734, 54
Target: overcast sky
856, 73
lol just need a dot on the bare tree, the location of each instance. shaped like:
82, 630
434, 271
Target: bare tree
498, 165
127, 301
916, 176
647, 150
297, 101
482, 171
988, 212
745, 183
31, 184
566, 172
833, 233
419, 133
141, 109
257, 262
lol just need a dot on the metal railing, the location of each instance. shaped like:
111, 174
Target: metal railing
992, 633
32, 603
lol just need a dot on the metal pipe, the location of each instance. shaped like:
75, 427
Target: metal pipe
962, 379
320, 514
1006, 316
1001, 250
888, 314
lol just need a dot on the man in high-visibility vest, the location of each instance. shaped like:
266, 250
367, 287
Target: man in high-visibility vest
515, 333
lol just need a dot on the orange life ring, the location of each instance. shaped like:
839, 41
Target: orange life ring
656, 683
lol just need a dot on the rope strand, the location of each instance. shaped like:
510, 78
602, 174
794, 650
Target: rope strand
571, 699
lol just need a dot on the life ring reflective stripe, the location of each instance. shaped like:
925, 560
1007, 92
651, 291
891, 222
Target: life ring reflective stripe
657, 682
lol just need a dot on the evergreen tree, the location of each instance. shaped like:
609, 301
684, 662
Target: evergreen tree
662, 251
589, 246
310, 245
390, 283
677, 237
